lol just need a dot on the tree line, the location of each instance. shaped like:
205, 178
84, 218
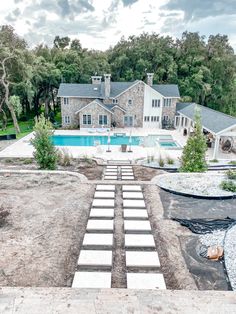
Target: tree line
204, 69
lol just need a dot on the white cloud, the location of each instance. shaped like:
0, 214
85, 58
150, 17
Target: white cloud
101, 23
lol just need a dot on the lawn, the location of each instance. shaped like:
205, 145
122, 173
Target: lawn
25, 126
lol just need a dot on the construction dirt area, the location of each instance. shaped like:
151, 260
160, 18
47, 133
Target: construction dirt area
42, 231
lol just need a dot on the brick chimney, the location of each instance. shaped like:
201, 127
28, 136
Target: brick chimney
150, 79
96, 79
107, 79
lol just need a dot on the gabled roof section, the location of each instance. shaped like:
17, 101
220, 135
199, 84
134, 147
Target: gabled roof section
167, 90
79, 90
212, 120
112, 106
97, 101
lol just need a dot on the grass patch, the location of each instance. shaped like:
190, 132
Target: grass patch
233, 162
26, 127
214, 160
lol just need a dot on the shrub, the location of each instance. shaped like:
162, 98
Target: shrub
45, 152
231, 174
3, 215
27, 161
161, 161
193, 157
64, 157
214, 160
229, 186
233, 162
9, 161
87, 159
169, 160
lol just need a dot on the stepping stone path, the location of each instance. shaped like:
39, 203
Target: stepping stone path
98, 256
118, 172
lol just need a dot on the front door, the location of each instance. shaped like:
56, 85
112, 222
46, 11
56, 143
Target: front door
128, 121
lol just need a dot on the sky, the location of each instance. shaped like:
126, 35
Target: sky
100, 24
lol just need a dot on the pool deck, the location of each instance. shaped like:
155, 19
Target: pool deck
23, 148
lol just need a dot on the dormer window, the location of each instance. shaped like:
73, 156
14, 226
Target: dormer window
130, 101
115, 101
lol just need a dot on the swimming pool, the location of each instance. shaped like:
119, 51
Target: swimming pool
93, 140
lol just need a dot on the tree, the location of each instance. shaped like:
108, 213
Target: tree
45, 152
193, 157
15, 103
61, 42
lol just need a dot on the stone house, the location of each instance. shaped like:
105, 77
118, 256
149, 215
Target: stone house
122, 104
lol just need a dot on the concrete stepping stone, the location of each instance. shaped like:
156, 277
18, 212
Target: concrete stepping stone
135, 213
105, 187
126, 167
110, 177
134, 204
100, 225
95, 258
104, 194
139, 240
127, 174
127, 178
126, 170
111, 167
110, 173
101, 213
142, 259
137, 226
103, 203
92, 280
145, 281
133, 195
98, 239
131, 188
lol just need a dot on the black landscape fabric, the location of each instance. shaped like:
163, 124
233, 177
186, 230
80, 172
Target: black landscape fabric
203, 226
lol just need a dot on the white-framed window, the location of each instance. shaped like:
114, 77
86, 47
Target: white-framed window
102, 119
130, 101
115, 101
156, 103
146, 118
67, 119
166, 118
87, 119
66, 101
167, 102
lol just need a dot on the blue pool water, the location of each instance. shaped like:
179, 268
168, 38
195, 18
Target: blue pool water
93, 140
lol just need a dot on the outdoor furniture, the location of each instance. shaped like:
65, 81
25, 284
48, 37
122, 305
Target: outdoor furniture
123, 148
7, 137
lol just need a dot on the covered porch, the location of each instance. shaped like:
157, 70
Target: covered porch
219, 128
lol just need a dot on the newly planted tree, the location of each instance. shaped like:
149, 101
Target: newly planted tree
45, 152
193, 157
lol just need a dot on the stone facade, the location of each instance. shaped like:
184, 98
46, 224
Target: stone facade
136, 94
170, 111
70, 110
94, 110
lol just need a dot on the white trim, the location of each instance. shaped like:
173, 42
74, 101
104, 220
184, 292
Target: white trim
82, 118
227, 129
94, 101
119, 108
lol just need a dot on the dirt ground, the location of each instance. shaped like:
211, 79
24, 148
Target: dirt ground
87, 167
41, 238
166, 235
146, 174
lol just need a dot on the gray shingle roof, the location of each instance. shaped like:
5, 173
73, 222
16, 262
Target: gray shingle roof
106, 107
212, 120
167, 90
97, 91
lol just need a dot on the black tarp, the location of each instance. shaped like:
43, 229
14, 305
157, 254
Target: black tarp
203, 226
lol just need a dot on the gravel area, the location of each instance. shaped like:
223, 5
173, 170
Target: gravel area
230, 255
196, 184
212, 239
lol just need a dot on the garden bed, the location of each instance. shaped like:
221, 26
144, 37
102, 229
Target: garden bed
201, 185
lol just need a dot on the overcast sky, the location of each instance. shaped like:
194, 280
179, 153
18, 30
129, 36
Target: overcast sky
101, 23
